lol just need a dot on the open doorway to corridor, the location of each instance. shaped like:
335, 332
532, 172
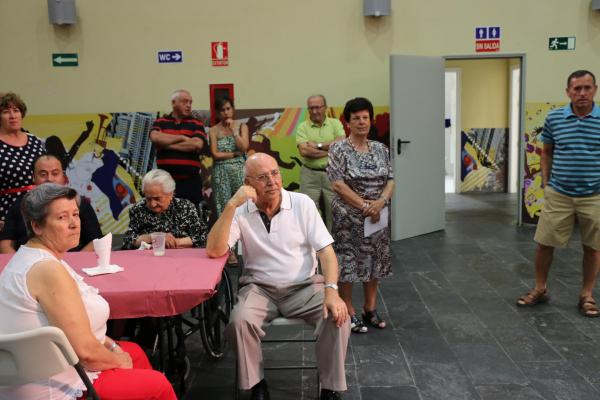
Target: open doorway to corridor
483, 117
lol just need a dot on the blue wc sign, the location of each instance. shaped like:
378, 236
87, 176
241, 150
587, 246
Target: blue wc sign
173, 56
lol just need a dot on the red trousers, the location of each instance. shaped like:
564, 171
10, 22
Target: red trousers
141, 382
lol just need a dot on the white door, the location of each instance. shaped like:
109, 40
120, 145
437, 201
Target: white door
417, 144
452, 114
514, 115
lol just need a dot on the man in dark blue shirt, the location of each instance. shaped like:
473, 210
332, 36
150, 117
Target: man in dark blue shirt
47, 168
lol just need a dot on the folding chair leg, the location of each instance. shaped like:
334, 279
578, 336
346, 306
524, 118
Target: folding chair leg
318, 386
91, 392
236, 384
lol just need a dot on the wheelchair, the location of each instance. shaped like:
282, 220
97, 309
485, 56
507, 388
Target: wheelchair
212, 316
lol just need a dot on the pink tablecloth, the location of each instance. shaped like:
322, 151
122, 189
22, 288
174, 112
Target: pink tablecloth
151, 286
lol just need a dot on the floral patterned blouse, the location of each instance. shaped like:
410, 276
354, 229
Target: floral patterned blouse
365, 173
180, 219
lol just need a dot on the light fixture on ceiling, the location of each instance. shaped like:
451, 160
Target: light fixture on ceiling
376, 8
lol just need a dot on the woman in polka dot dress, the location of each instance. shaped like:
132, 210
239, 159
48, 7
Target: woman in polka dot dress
18, 150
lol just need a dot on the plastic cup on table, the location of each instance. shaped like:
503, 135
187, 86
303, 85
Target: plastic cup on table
158, 243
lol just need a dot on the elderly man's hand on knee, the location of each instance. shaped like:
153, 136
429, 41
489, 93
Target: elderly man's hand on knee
335, 305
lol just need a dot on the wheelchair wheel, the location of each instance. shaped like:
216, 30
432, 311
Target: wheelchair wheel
214, 316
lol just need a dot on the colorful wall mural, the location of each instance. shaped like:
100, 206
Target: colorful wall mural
484, 154
105, 156
533, 194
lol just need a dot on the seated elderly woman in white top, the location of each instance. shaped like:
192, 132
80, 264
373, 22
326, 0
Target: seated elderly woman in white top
160, 211
38, 288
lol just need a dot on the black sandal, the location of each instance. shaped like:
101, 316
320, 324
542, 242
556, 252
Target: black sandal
373, 319
357, 326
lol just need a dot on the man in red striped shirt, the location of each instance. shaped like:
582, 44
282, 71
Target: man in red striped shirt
179, 139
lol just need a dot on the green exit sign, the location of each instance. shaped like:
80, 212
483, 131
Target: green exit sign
65, 60
561, 43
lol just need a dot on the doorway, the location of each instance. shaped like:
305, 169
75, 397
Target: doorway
484, 118
417, 145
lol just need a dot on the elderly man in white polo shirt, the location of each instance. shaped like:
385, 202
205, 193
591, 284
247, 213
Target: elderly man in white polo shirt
282, 234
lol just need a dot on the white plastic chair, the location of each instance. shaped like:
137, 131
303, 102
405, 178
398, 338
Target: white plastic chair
38, 354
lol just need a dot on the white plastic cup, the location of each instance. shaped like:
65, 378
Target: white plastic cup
158, 243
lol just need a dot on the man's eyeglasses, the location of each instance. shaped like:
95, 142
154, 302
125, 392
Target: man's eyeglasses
315, 108
264, 178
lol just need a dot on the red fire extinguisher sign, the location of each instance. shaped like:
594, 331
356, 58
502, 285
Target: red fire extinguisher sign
219, 54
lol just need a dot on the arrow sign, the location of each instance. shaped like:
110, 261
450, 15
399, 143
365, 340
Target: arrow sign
172, 56
65, 60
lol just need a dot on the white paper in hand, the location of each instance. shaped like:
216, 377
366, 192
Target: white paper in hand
144, 246
371, 228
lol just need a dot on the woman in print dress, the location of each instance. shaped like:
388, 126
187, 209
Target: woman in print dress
361, 176
229, 142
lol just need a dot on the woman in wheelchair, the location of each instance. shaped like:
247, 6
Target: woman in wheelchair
161, 211
38, 289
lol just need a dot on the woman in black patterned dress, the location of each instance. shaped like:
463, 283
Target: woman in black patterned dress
361, 176
160, 211
18, 150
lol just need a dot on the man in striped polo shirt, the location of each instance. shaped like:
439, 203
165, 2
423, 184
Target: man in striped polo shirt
570, 166
179, 140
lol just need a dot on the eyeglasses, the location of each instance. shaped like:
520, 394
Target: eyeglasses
315, 108
264, 178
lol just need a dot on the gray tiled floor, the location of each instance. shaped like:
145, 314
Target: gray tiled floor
454, 332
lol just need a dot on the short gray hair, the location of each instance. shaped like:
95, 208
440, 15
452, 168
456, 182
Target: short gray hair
176, 93
35, 204
317, 95
159, 176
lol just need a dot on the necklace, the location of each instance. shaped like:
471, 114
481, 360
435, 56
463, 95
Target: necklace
356, 148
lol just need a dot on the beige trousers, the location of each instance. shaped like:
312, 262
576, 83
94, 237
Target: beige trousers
313, 184
259, 303
558, 219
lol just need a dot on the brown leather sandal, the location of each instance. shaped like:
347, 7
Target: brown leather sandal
533, 298
588, 308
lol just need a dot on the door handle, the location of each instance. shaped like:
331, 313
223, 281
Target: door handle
399, 146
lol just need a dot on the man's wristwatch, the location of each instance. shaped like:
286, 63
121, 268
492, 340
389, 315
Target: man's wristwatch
320, 146
331, 286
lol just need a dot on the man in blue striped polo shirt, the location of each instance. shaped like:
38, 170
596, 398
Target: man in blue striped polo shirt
570, 166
